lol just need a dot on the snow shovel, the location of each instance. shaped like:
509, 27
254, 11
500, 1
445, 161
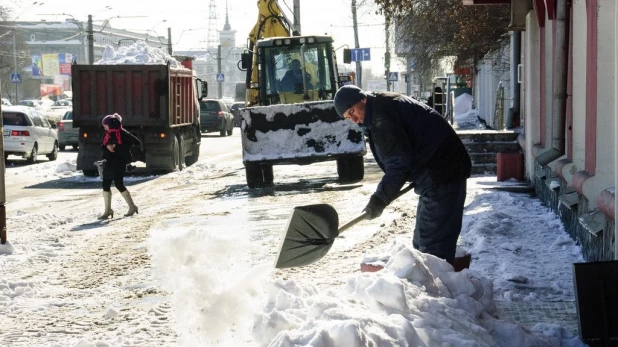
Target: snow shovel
311, 231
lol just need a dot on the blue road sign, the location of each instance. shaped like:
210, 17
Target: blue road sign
15, 78
393, 76
360, 54
220, 77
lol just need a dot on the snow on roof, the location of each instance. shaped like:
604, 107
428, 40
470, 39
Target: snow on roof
47, 25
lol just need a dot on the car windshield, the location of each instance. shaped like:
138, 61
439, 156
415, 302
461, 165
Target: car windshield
68, 116
210, 106
14, 118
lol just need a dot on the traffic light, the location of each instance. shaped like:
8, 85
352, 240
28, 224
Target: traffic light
347, 56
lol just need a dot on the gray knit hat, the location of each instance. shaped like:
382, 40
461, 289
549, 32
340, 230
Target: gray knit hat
346, 97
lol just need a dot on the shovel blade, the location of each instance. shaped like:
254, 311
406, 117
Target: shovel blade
310, 233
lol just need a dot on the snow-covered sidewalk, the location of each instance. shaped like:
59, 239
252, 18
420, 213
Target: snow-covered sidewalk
177, 275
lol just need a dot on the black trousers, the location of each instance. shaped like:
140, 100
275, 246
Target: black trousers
438, 219
114, 172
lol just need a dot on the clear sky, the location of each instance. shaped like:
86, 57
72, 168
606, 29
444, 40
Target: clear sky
189, 20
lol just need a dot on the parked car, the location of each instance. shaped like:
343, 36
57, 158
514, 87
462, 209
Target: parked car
67, 134
28, 134
6, 102
29, 103
215, 116
235, 109
63, 103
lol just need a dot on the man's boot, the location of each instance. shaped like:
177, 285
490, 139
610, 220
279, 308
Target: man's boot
107, 198
132, 208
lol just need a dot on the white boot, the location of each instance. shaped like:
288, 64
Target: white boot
132, 208
107, 199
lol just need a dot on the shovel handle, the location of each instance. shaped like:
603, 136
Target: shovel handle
365, 214
354, 221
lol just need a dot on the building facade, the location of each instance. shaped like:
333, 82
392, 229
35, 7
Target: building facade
49, 49
568, 108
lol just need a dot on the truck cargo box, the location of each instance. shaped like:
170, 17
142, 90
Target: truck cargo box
144, 95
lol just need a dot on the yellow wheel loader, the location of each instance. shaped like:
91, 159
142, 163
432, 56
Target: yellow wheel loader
290, 116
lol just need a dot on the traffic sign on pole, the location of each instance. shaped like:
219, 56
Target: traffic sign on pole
15, 78
393, 76
220, 77
360, 54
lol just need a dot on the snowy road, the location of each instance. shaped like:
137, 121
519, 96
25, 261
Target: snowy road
191, 268
106, 266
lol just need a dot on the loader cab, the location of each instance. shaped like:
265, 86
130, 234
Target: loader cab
296, 69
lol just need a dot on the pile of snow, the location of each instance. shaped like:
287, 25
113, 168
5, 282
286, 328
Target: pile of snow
464, 116
416, 300
463, 104
137, 54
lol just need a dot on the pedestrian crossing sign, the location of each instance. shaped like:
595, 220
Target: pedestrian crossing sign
393, 76
15, 78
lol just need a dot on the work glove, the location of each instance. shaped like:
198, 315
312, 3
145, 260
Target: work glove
375, 207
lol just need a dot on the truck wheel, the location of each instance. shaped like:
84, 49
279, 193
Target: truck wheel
62, 147
259, 175
229, 132
90, 173
192, 159
351, 168
181, 153
175, 151
222, 133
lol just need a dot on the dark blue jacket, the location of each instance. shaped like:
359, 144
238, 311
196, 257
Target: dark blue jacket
410, 141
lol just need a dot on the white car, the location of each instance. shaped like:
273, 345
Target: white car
28, 134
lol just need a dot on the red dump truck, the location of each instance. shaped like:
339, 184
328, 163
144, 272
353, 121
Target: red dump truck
158, 104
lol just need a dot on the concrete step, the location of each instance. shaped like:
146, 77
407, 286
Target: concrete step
492, 147
484, 169
484, 145
487, 135
483, 158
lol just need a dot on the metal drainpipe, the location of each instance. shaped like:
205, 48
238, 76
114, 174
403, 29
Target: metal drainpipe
515, 55
560, 87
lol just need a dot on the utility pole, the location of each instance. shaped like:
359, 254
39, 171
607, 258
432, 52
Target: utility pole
409, 75
387, 55
90, 36
297, 15
15, 67
219, 84
359, 69
169, 41
2, 183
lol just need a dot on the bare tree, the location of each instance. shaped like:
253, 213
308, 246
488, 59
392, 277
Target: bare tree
433, 29
9, 52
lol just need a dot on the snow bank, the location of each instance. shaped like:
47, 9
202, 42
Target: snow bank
416, 300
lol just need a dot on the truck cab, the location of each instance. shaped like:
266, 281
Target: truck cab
295, 69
